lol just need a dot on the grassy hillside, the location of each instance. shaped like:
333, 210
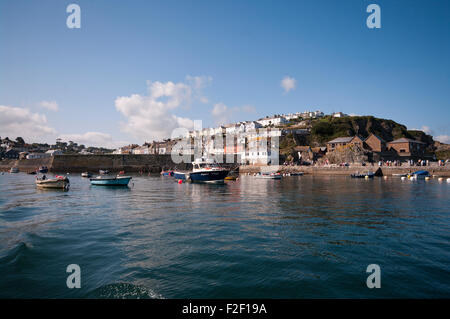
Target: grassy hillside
328, 128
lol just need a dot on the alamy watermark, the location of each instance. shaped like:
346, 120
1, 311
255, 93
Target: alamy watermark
74, 19
241, 143
374, 19
74, 279
374, 279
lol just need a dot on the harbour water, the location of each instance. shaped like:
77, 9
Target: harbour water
299, 237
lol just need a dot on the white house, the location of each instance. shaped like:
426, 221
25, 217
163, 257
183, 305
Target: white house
37, 155
275, 120
141, 150
54, 152
339, 114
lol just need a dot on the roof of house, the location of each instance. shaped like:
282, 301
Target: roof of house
341, 139
376, 137
357, 136
406, 140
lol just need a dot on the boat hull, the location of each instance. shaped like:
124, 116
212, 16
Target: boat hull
118, 181
169, 173
53, 183
202, 177
419, 175
268, 176
43, 169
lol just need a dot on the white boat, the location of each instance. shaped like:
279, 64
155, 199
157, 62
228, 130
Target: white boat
60, 182
269, 176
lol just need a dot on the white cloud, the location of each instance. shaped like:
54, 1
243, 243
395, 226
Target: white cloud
427, 130
288, 84
224, 115
16, 121
443, 139
219, 109
49, 105
93, 139
150, 117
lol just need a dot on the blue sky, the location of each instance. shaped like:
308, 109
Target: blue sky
177, 61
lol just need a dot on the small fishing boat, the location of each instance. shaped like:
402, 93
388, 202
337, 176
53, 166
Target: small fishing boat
167, 173
103, 172
111, 181
59, 182
32, 173
14, 170
367, 174
400, 175
203, 171
86, 174
43, 169
269, 176
294, 174
419, 175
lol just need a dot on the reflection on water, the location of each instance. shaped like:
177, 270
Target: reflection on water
307, 236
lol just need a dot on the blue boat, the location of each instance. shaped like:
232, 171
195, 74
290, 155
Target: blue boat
204, 171
111, 181
419, 175
167, 173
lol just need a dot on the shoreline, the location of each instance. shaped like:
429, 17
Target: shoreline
156, 163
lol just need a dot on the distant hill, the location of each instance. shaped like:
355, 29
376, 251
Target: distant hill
442, 150
328, 128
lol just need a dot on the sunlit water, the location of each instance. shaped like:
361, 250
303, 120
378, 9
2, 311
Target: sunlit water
301, 237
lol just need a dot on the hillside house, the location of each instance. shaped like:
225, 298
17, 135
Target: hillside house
407, 147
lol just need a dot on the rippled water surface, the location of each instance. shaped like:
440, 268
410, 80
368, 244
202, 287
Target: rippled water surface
301, 237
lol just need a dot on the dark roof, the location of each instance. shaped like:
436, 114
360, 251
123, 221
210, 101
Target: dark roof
406, 140
341, 140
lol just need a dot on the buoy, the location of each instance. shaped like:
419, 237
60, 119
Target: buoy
427, 178
366, 177
448, 180
385, 177
403, 178
440, 179
180, 181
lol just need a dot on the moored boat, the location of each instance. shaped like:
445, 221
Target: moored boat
269, 176
203, 171
400, 175
367, 174
167, 173
43, 169
59, 182
419, 175
86, 174
111, 181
